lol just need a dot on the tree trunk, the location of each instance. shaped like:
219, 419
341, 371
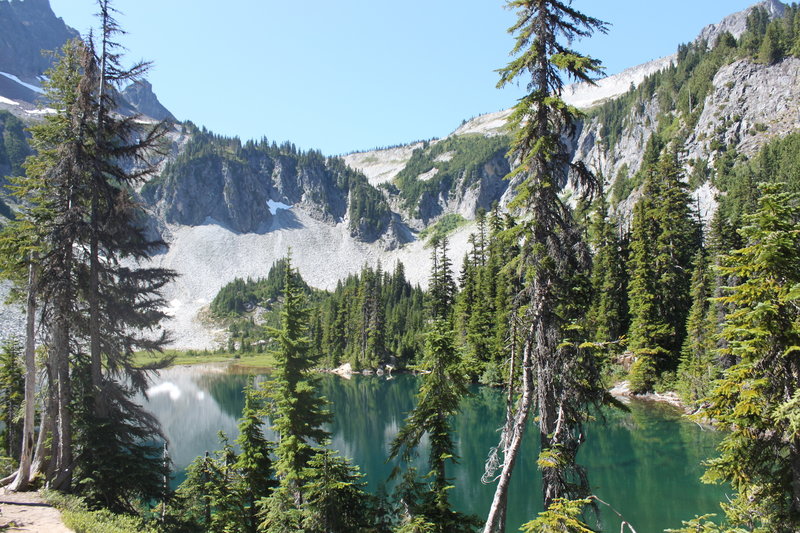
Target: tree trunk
795, 467
63, 392
26, 454
94, 311
495, 522
41, 452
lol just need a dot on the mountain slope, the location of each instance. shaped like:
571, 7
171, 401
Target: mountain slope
230, 208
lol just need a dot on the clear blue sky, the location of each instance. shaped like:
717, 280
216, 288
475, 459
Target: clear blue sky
349, 75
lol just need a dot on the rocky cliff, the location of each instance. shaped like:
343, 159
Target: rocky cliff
212, 179
141, 97
26, 28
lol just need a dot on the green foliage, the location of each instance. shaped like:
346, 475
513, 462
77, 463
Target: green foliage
14, 148
563, 516
607, 318
240, 296
77, 516
755, 399
334, 498
443, 386
554, 261
483, 306
12, 394
221, 492
698, 367
370, 319
461, 159
702, 524
777, 162
442, 227
664, 237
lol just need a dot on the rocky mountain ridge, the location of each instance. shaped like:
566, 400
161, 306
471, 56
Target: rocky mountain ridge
29, 32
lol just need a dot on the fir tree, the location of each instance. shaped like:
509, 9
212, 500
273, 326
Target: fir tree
440, 393
335, 500
555, 374
664, 238
12, 393
608, 314
757, 398
697, 368
254, 462
296, 410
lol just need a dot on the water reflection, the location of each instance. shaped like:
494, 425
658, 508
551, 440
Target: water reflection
646, 463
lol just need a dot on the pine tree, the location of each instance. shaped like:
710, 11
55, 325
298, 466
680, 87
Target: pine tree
554, 371
254, 462
697, 368
335, 500
607, 317
96, 297
771, 50
12, 393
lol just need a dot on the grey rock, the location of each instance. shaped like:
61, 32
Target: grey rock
141, 97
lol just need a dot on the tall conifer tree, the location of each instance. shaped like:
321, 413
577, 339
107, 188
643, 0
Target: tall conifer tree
438, 400
758, 398
664, 239
557, 377
295, 407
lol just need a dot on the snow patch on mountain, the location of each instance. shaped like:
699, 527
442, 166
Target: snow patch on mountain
33, 88
274, 206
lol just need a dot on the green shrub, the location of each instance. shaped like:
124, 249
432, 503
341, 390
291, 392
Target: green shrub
77, 516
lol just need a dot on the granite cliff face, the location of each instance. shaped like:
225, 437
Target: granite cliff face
748, 103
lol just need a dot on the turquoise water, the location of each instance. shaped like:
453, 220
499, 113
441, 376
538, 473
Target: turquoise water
645, 463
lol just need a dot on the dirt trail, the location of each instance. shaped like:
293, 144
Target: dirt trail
26, 511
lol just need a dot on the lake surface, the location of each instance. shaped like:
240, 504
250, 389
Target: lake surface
645, 463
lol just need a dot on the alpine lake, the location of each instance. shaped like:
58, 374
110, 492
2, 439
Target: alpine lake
646, 463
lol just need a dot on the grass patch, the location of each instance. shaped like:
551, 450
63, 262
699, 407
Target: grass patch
194, 357
443, 227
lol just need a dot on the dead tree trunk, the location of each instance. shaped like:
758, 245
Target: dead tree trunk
26, 454
512, 443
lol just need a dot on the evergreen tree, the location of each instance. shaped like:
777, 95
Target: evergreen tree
12, 393
664, 238
96, 297
335, 498
254, 462
296, 410
221, 491
556, 376
757, 398
608, 315
697, 368
443, 386
771, 49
